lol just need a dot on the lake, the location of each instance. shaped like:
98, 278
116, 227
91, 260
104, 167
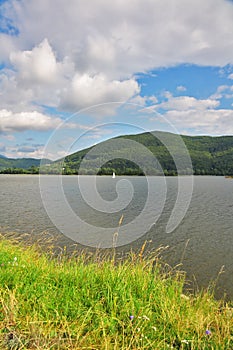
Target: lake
202, 240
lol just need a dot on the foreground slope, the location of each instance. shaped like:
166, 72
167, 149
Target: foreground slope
97, 302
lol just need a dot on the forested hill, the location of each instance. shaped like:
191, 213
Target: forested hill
209, 155
18, 165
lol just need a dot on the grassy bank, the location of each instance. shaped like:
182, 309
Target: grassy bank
93, 303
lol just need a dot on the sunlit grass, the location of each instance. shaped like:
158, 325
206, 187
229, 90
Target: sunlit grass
94, 302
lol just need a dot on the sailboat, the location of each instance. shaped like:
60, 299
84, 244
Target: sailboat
113, 175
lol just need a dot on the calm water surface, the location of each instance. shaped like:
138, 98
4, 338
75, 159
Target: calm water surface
203, 241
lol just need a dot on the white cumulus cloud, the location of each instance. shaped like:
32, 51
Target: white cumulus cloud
26, 121
77, 54
36, 66
183, 103
121, 38
86, 90
65, 53
209, 122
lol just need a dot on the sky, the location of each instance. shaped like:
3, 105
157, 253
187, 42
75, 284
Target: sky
78, 72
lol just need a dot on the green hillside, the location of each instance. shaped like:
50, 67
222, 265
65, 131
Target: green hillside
11, 165
209, 156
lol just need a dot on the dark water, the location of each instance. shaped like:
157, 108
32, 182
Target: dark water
202, 242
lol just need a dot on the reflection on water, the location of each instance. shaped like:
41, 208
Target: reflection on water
203, 240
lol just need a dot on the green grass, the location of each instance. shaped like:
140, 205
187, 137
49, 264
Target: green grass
86, 302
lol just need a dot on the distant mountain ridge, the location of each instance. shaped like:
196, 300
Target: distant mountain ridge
210, 155
22, 163
1, 156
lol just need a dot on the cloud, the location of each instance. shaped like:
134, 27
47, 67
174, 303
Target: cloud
36, 66
26, 149
14, 97
223, 91
196, 116
213, 122
122, 38
7, 44
8, 137
219, 92
181, 88
36, 75
26, 121
230, 76
86, 90
30, 152
87, 53
40, 77
2, 147
184, 103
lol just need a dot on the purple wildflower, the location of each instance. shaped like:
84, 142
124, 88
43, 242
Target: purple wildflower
207, 332
131, 317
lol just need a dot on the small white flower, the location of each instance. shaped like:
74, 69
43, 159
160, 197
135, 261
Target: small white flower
15, 258
184, 297
145, 318
185, 341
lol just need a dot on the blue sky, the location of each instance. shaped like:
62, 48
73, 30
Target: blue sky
91, 70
